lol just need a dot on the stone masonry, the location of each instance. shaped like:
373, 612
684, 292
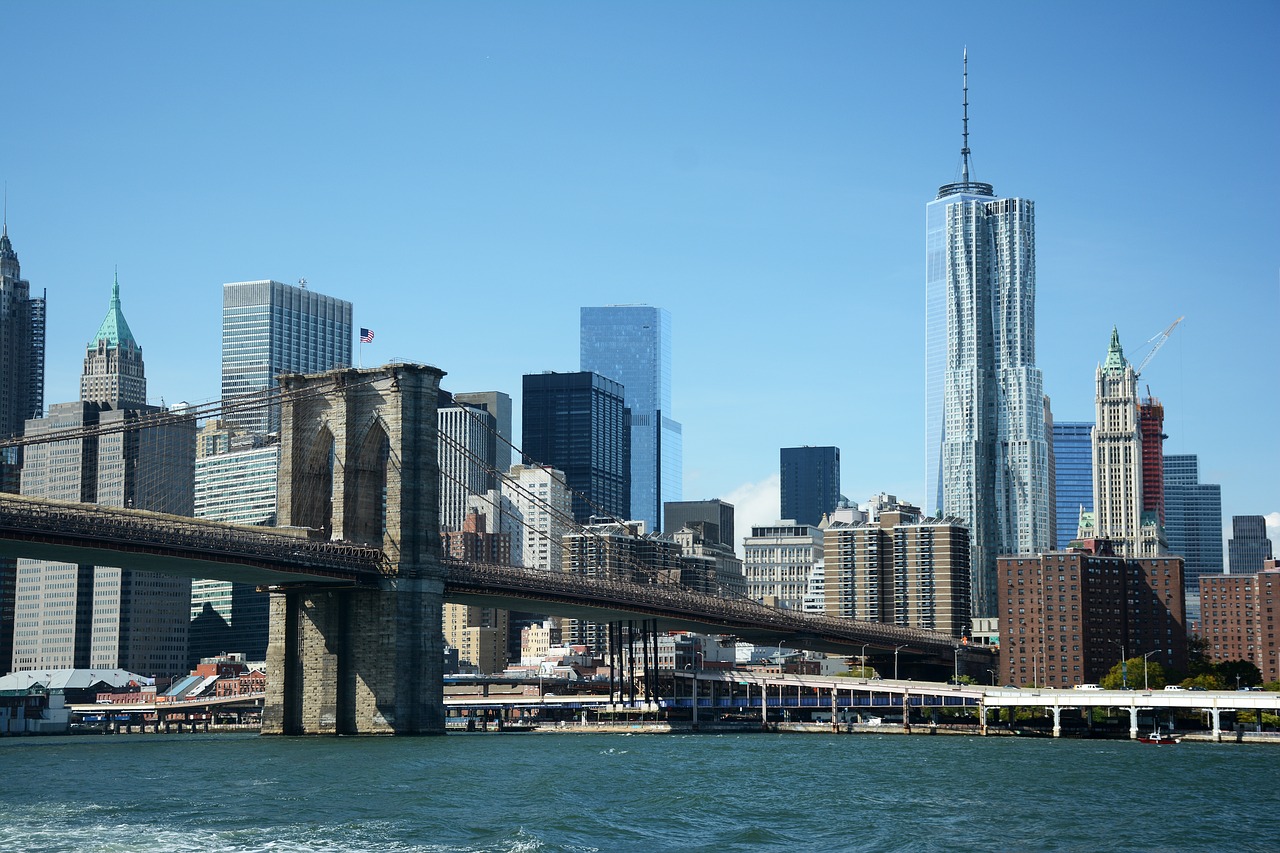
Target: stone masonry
367, 660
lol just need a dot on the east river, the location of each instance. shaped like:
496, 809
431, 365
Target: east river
587, 792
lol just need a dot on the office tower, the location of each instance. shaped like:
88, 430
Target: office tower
498, 404
715, 516
1121, 607
706, 564
631, 344
544, 513
235, 482
1233, 608
579, 424
1249, 548
1151, 424
1193, 523
21, 345
1073, 476
809, 482
465, 452
778, 560
270, 328
986, 452
1052, 472
1118, 462
21, 397
99, 616
900, 569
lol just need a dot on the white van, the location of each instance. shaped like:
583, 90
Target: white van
1174, 687
1086, 687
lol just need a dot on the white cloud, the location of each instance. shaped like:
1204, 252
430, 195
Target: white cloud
755, 504
1273, 531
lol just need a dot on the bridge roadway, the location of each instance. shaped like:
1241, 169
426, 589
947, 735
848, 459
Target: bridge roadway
89, 534
820, 693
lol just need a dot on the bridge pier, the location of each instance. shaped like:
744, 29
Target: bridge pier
1133, 722
357, 661
1057, 721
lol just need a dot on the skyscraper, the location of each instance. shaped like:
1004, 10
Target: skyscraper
986, 453
269, 328
809, 480
631, 344
1119, 461
21, 344
99, 616
1073, 476
579, 424
465, 452
1249, 548
497, 404
1193, 523
540, 500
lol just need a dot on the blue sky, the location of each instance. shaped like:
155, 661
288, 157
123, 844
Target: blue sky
469, 175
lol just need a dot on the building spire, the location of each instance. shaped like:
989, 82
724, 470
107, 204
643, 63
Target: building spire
964, 150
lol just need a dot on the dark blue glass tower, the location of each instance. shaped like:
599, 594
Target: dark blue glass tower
1073, 476
810, 482
579, 423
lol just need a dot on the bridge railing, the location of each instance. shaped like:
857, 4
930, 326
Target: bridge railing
220, 542
680, 601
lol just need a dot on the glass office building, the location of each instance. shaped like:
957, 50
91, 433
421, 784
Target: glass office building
270, 328
1073, 477
1249, 548
810, 482
579, 423
631, 344
1192, 523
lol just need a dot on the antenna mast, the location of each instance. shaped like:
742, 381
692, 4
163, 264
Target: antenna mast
964, 151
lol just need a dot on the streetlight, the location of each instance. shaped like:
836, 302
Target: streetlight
993, 677
1124, 666
1145, 685
956, 677
895, 660
864, 659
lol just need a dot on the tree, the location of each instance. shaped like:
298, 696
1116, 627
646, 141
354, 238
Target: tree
1198, 662
1155, 677
1246, 672
1207, 680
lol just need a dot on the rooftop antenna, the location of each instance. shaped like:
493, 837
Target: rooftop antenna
964, 151
302, 282
6, 208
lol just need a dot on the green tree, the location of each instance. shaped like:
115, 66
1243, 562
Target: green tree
1272, 686
1155, 677
1207, 680
1198, 662
1229, 670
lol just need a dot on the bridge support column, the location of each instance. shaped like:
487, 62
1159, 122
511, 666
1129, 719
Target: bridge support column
1133, 722
982, 718
357, 661
1217, 724
1057, 721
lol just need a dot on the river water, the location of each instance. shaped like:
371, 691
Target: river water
602, 792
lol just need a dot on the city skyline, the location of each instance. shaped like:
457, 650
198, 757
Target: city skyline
747, 201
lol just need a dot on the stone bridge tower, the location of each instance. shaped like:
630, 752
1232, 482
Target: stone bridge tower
358, 461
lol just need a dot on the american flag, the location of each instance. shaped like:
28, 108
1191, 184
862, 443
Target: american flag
366, 336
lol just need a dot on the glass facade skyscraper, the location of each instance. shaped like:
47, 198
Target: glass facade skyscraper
810, 482
269, 328
631, 344
1193, 523
987, 456
1249, 546
21, 345
579, 423
1073, 476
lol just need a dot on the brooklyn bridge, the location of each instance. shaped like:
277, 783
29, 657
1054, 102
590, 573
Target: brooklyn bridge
356, 574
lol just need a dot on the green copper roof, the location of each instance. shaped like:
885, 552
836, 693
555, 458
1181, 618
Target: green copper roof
1115, 354
114, 330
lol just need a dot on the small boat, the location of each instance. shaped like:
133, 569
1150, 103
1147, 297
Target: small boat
1159, 738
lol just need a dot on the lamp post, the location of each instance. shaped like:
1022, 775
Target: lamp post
780, 666
863, 656
1124, 666
993, 677
956, 677
895, 660
1146, 686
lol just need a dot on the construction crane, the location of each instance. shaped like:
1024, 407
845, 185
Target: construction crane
1158, 340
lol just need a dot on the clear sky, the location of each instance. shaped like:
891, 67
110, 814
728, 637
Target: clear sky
469, 175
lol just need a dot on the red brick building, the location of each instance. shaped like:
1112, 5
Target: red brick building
1068, 617
1238, 621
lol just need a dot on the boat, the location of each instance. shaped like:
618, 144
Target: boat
1159, 738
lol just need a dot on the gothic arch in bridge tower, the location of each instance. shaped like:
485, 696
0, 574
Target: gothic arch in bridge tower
358, 461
